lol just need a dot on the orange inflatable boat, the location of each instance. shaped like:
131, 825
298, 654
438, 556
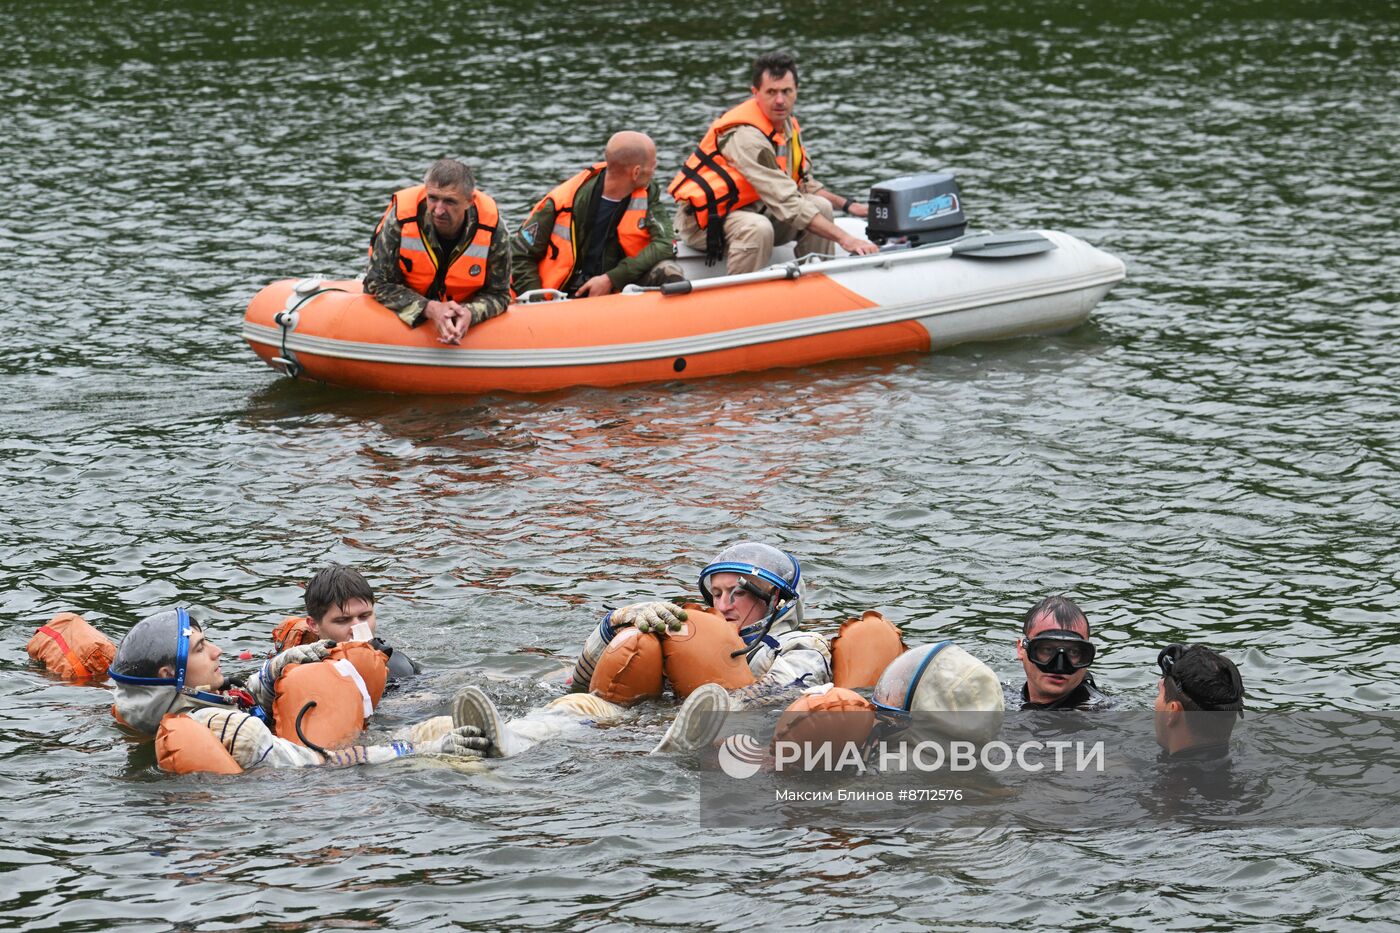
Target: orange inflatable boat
793, 314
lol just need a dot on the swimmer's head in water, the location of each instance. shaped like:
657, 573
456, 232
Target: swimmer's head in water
337, 599
1058, 675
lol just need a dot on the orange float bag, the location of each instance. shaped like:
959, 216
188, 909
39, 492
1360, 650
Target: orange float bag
703, 652
862, 649
326, 703
630, 668
291, 632
834, 717
71, 648
186, 746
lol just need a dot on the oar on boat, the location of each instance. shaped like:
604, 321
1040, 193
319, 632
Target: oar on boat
992, 246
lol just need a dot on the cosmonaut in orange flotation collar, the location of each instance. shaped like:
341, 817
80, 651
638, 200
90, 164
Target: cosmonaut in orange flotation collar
703, 649
744, 647
164, 655
165, 665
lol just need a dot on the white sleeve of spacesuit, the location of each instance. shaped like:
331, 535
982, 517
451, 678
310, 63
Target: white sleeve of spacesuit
803, 660
593, 649
251, 743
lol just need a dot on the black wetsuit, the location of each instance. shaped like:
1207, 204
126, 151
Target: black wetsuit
1085, 697
401, 666
1189, 781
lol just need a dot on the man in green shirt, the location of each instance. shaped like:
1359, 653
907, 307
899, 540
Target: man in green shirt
441, 253
601, 230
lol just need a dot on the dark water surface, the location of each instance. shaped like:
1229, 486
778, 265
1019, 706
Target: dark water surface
1212, 457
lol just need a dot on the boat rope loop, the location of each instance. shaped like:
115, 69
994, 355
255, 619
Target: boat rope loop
287, 318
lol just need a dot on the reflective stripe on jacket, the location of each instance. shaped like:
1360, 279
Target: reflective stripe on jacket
465, 275
557, 266
712, 186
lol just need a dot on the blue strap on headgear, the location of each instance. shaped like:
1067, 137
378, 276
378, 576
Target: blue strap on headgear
787, 590
182, 657
913, 682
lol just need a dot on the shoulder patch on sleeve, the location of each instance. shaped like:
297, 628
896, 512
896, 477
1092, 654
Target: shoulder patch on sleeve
529, 232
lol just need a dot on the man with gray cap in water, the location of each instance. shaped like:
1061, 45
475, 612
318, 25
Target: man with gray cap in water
165, 664
757, 587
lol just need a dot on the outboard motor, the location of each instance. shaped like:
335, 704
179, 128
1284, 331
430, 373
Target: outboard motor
922, 208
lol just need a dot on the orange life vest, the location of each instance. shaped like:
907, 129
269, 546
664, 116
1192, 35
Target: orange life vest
71, 648
712, 186
186, 746
466, 274
862, 649
629, 669
331, 698
704, 652
291, 632
557, 266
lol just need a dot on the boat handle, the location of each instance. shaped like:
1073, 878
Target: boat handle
540, 294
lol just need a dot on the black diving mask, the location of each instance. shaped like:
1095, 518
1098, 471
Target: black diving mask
1060, 652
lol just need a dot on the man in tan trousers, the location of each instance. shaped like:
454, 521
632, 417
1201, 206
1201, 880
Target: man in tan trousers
748, 185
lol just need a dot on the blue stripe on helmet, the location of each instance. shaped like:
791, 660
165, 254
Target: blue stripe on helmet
182, 657
786, 589
182, 646
913, 682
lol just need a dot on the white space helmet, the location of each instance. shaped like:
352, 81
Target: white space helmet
945, 688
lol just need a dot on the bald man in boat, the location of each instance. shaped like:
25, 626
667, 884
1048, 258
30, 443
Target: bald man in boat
748, 186
441, 253
601, 230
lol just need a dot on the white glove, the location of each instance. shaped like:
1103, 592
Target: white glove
301, 654
655, 618
263, 684
463, 741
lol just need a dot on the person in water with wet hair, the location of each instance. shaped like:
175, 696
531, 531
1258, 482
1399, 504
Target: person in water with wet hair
338, 598
756, 587
1198, 700
1056, 652
166, 664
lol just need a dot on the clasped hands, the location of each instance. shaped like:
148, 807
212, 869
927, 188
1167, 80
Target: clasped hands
450, 319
